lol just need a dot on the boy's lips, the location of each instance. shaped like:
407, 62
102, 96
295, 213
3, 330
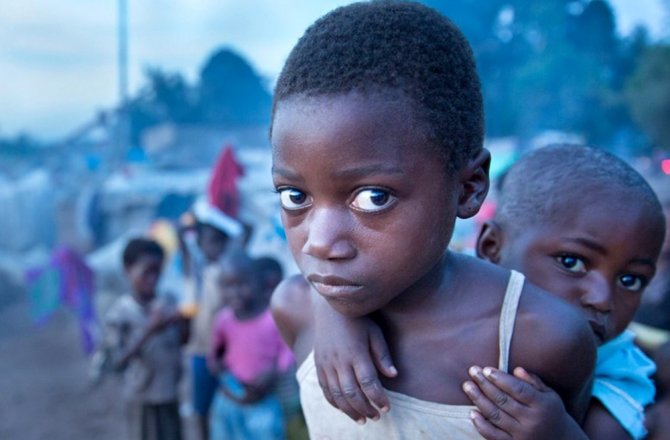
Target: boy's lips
599, 330
334, 287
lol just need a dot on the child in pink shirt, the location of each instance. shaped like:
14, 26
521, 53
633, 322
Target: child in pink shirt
248, 352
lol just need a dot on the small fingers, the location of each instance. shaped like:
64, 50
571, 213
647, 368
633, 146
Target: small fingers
330, 387
532, 379
496, 394
380, 352
354, 395
369, 383
518, 389
487, 429
493, 414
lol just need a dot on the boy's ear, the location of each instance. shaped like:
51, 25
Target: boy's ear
475, 181
489, 242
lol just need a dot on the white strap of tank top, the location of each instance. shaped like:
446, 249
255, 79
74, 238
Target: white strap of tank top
508, 317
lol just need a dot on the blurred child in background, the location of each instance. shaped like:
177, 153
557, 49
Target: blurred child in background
248, 353
203, 243
142, 338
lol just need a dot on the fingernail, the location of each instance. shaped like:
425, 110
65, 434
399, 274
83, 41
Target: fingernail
375, 418
384, 409
467, 387
473, 371
393, 370
360, 421
488, 371
473, 414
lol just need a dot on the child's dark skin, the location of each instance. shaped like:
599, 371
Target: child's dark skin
586, 257
143, 275
368, 216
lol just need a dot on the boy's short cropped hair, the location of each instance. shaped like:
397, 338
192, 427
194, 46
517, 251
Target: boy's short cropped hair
549, 179
137, 247
376, 46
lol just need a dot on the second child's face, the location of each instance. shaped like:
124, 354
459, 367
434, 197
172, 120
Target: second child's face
144, 275
237, 290
368, 208
599, 256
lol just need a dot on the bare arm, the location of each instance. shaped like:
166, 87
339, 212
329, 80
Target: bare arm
347, 354
557, 346
291, 310
601, 425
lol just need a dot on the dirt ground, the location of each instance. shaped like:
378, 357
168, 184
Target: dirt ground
45, 391
44, 381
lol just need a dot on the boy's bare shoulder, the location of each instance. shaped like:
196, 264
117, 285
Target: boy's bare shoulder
551, 338
554, 341
291, 307
544, 319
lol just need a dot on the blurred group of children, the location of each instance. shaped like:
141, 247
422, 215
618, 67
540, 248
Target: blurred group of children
239, 383
377, 131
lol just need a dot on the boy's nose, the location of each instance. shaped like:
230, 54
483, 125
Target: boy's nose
328, 234
597, 292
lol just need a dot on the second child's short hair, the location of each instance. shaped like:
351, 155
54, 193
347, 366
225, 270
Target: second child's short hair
546, 181
268, 266
380, 45
138, 247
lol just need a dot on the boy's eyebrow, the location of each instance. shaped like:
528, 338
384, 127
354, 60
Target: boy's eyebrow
645, 261
589, 244
350, 173
362, 171
601, 250
285, 173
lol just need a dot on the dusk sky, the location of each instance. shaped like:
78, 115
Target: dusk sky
58, 59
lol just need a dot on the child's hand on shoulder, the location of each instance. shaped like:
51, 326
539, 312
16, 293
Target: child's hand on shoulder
348, 353
519, 407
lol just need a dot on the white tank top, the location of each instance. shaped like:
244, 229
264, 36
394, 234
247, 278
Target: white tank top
409, 418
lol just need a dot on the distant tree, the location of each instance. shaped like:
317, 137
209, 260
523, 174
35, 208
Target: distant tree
230, 91
165, 98
551, 64
648, 94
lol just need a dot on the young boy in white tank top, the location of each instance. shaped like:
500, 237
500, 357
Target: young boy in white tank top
377, 148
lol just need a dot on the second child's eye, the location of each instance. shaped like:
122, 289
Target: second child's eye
633, 283
372, 200
293, 199
571, 263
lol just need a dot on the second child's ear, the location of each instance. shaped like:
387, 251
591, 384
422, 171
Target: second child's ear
475, 181
489, 242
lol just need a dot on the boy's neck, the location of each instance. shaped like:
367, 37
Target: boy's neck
421, 294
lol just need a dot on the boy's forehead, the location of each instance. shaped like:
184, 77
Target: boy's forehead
374, 119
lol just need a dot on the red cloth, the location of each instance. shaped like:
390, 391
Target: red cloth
222, 191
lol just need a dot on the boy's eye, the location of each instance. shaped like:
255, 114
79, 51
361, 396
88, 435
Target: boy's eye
372, 199
293, 199
633, 283
573, 264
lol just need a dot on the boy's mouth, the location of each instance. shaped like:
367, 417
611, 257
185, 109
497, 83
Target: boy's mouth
332, 287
